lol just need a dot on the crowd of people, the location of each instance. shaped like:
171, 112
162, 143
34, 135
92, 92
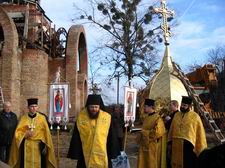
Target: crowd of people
176, 141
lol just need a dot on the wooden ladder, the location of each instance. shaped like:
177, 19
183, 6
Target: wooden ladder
1, 99
199, 104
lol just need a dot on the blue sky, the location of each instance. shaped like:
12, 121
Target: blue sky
201, 26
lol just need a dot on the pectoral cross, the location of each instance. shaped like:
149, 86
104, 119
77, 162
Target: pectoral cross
165, 13
32, 126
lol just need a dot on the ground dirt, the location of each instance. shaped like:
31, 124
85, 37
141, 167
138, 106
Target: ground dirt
131, 148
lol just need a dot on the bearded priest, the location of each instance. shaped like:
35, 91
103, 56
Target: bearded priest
94, 142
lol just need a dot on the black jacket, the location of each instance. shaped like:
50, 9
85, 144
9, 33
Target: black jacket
8, 123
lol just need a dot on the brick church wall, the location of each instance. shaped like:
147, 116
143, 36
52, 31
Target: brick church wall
53, 68
34, 78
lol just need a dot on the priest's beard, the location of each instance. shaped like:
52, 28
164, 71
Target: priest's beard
93, 115
184, 110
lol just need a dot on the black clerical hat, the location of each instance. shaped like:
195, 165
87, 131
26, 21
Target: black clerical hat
94, 99
32, 101
149, 102
186, 100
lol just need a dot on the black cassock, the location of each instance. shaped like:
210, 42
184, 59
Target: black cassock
76, 152
189, 157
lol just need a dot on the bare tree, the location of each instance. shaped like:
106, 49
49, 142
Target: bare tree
214, 56
94, 70
132, 35
193, 66
217, 56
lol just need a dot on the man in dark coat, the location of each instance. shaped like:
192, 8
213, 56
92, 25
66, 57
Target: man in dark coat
173, 107
93, 142
118, 123
8, 123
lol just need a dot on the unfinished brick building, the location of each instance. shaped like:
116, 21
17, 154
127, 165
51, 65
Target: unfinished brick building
31, 52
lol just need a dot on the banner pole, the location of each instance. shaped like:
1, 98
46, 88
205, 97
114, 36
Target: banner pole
125, 139
58, 146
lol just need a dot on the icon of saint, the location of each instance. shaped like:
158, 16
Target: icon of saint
58, 101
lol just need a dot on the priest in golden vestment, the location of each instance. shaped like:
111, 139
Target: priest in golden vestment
186, 136
32, 144
151, 150
94, 142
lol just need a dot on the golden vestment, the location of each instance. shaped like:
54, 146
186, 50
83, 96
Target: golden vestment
32, 153
93, 134
152, 146
186, 126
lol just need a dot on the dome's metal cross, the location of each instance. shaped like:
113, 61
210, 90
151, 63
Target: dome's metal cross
165, 13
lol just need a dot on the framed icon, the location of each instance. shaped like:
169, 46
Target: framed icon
130, 100
58, 102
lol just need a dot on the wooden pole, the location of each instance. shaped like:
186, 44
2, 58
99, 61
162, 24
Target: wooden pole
26, 26
58, 146
118, 87
126, 125
125, 139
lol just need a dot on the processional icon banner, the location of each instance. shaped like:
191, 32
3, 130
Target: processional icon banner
130, 104
59, 102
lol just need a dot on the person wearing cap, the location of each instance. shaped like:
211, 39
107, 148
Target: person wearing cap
93, 142
186, 136
32, 144
8, 123
151, 145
